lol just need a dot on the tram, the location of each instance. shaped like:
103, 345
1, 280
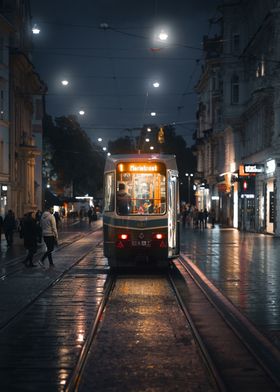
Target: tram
141, 212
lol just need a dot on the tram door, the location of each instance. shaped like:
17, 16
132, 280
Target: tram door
173, 233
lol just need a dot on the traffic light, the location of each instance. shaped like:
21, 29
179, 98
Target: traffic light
247, 185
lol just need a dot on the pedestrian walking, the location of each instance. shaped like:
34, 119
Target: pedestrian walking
50, 235
201, 219
57, 218
9, 225
184, 215
89, 214
1, 229
205, 217
38, 216
30, 233
195, 218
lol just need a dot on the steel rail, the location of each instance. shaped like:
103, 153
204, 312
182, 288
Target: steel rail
260, 347
75, 378
204, 352
51, 284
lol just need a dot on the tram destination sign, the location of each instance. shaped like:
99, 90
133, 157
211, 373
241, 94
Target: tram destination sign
253, 168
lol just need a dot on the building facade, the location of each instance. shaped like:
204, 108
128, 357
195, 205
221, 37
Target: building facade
21, 123
240, 155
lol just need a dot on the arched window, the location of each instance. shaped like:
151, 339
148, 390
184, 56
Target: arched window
234, 89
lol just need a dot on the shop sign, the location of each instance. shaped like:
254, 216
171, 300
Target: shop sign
270, 166
253, 168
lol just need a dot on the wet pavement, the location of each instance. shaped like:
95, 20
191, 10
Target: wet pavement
46, 314
244, 266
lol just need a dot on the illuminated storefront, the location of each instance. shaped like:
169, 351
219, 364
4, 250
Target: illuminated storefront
3, 199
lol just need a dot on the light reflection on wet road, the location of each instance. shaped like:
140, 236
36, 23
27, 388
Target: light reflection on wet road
244, 266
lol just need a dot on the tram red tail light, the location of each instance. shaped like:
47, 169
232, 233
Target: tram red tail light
158, 236
123, 236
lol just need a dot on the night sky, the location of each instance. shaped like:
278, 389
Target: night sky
111, 70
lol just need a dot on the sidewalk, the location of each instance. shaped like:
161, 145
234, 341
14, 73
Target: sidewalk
20, 285
244, 266
68, 228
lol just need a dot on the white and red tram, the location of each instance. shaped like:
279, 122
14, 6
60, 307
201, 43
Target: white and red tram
141, 209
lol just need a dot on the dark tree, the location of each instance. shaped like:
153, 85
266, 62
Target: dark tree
123, 145
73, 158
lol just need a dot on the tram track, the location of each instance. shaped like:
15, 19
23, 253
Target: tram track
52, 283
240, 357
230, 364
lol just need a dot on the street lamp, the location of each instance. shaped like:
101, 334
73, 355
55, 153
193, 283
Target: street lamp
156, 84
35, 30
189, 175
163, 35
153, 114
64, 82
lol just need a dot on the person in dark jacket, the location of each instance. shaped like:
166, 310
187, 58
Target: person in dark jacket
9, 225
30, 235
123, 200
1, 228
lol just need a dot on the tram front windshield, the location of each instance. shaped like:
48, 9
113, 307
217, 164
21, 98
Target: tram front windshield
141, 189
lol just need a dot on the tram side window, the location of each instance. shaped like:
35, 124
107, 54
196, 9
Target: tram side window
109, 192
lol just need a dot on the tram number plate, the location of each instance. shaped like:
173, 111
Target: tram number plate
141, 243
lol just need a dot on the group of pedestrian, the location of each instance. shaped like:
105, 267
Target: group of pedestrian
33, 228
198, 218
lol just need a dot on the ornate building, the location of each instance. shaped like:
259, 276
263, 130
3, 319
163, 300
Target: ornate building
244, 180
21, 176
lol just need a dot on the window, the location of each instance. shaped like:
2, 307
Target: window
234, 89
260, 71
39, 109
109, 192
235, 42
142, 188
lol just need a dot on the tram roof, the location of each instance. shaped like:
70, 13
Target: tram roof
168, 159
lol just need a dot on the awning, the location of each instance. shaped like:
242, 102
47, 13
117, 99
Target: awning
51, 199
